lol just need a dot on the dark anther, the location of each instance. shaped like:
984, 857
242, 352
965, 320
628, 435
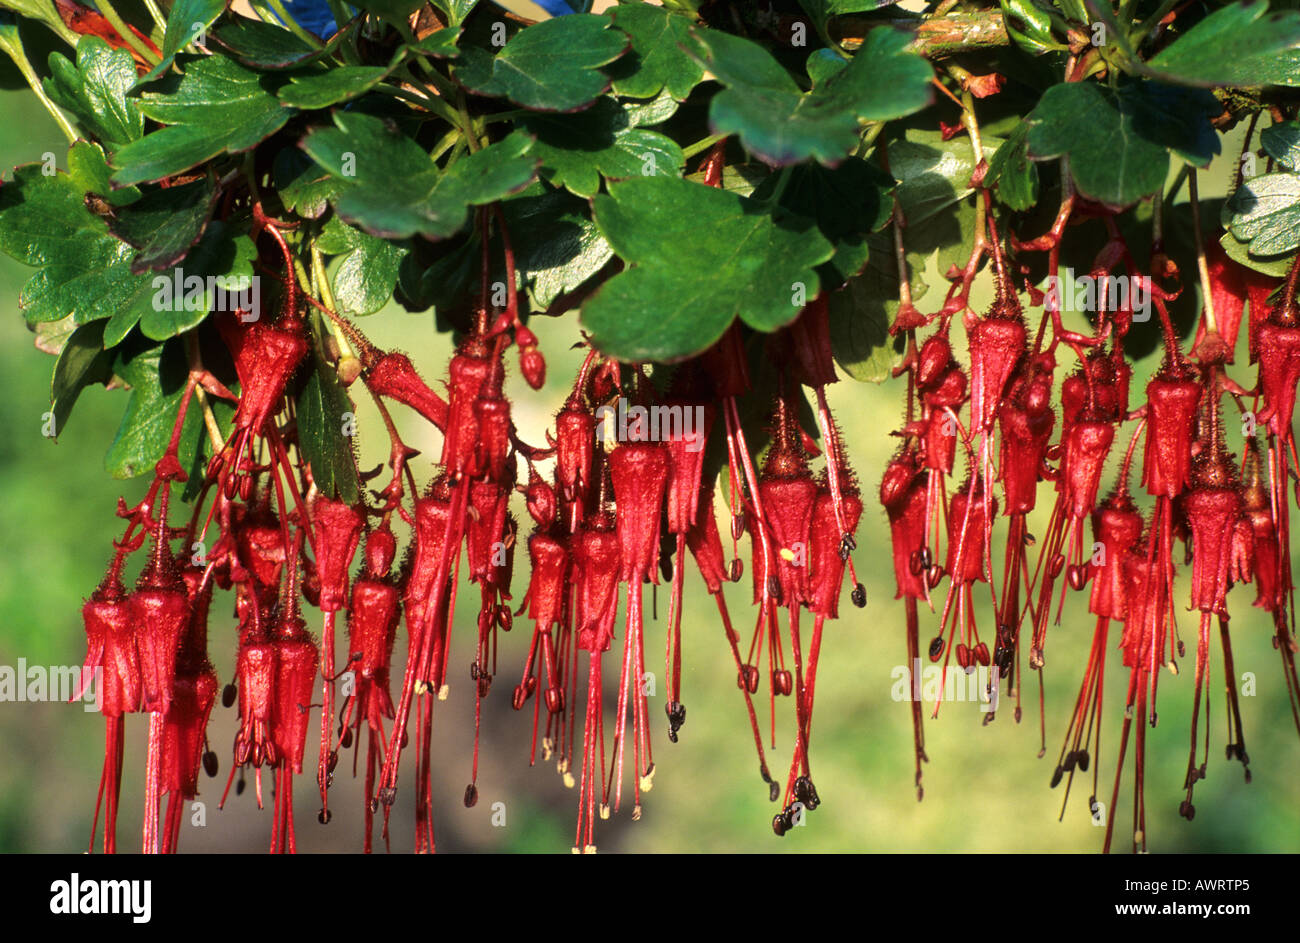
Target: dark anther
737, 570
676, 717
210, 764
388, 795
324, 816
737, 526
773, 791
1076, 575
859, 595
471, 796
346, 740
936, 647
1082, 758
228, 695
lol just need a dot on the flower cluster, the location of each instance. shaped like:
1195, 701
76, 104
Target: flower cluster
611, 510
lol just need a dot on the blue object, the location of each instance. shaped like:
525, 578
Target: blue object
314, 16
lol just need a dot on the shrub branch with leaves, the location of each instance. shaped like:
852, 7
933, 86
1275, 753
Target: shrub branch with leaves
727, 200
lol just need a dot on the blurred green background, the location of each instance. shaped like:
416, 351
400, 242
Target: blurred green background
985, 788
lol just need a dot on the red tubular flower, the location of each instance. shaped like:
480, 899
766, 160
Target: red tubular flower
1116, 527
575, 431
431, 517
255, 672
546, 591
469, 371
640, 476
788, 492
266, 356
372, 631
1087, 444
1172, 403
492, 414
825, 564
1026, 419
295, 678
486, 532
597, 564
337, 527
394, 376
1212, 505
1279, 372
185, 724
997, 342
111, 650
903, 491
1266, 560
686, 465
966, 530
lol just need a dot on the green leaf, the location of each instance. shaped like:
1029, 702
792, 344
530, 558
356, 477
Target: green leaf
165, 223
308, 90
847, 203
304, 188
698, 258
223, 251
323, 412
782, 124
156, 376
647, 114
441, 43
1265, 212
1118, 140
89, 170
859, 326
550, 66
1282, 143
1240, 44
820, 11
216, 107
187, 22
557, 247
364, 280
267, 47
395, 12
391, 188
577, 150
456, 10
85, 271
83, 362
657, 61
1029, 26
933, 174
1275, 265
823, 64
95, 91
1012, 173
